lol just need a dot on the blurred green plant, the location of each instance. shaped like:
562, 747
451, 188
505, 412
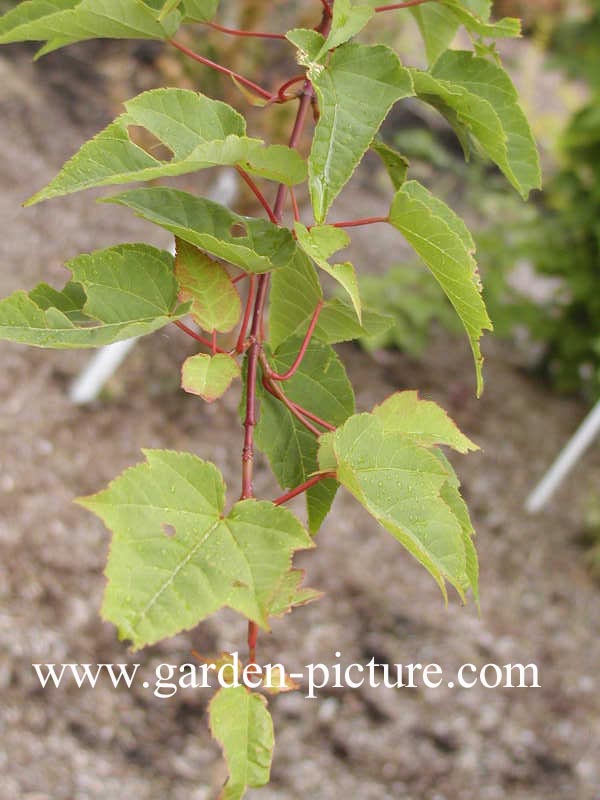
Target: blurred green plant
416, 304
559, 239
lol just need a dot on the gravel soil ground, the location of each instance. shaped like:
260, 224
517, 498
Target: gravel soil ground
539, 603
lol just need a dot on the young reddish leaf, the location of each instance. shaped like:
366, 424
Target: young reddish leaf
216, 305
209, 376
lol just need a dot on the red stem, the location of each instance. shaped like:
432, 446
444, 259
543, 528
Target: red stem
276, 376
206, 342
354, 223
237, 32
303, 487
406, 4
283, 97
295, 205
252, 640
248, 310
257, 193
293, 408
257, 321
306, 413
254, 87
239, 278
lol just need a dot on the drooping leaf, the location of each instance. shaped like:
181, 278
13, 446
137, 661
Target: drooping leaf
396, 165
62, 22
402, 484
209, 376
175, 558
216, 305
242, 724
490, 83
197, 132
321, 386
115, 294
355, 90
321, 242
254, 245
478, 97
442, 241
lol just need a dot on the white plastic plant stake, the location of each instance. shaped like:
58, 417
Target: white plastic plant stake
567, 458
88, 384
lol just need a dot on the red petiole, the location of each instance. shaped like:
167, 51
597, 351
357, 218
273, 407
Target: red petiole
257, 193
253, 87
303, 487
276, 376
210, 343
396, 6
237, 32
248, 310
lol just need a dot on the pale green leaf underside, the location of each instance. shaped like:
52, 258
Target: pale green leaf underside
423, 420
209, 376
321, 386
254, 245
440, 21
198, 133
395, 163
295, 292
321, 242
175, 558
402, 483
355, 90
442, 241
115, 294
242, 724
200, 10
438, 26
216, 305
506, 28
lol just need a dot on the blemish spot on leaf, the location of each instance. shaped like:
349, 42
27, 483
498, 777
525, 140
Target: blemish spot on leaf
150, 143
169, 530
238, 230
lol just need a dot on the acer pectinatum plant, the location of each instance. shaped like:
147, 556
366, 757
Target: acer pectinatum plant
178, 553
